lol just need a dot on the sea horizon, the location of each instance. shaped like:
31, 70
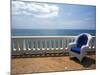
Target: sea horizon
51, 32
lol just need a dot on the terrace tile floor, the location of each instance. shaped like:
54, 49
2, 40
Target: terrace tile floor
51, 64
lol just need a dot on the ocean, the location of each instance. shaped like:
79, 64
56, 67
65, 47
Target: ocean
50, 32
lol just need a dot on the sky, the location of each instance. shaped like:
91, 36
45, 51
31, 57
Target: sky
35, 15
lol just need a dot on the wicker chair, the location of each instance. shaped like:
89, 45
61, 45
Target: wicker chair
79, 46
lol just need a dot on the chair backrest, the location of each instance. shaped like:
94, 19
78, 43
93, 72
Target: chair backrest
82, 40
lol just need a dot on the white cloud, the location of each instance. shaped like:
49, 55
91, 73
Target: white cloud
16, 6
41, 10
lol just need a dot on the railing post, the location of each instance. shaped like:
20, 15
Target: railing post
21, 44
54, 44
62, 43
50, 44
12, 45
24, 44
67, 42
95, 42
41, 44
45, 45
17, 45
59, 44
32, 44
36, 44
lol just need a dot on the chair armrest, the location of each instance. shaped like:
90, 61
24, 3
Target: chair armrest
84, 48
71, 45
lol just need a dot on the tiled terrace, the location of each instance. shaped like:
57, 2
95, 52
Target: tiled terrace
51, 64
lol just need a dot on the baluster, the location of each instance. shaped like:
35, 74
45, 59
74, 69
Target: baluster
50, 44
73, 39
94, 43
68, 41
21, 44
13, 46
54, 44
32, 44
24, 45
36, 44
62, 44
90, 44
27, 44
45, 45
17, 45
59, 44
65, 43
13, 43
41, 44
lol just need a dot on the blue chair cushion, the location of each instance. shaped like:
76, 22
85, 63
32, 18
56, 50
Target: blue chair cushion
82, 40
77, 50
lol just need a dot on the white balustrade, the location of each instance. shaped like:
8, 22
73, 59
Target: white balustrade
43, 44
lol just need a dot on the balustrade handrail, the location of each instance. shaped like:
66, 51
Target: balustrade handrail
43, 36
